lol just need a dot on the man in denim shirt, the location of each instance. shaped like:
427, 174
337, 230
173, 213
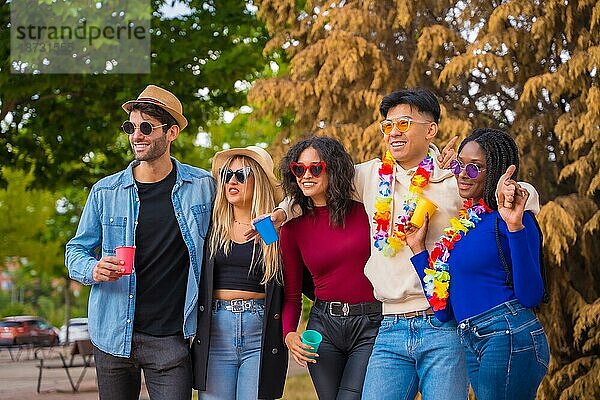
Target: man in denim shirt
144, 320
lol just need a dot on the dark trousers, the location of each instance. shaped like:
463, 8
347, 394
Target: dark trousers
339, 372
166, 364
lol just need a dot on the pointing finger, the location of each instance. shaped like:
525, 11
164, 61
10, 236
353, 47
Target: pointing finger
508, 174
452, 141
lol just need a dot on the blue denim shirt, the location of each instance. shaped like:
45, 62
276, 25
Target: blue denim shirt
109, 220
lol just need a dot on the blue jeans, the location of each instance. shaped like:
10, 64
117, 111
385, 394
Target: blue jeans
416, 354
507, 352
234, 353
166, 364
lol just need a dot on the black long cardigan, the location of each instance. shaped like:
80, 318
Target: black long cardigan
274, 354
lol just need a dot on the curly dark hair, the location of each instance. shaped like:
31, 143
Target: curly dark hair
339, 168
501, 151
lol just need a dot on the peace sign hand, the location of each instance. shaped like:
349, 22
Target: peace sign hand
448, 153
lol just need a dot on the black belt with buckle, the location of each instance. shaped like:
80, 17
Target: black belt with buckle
339, 309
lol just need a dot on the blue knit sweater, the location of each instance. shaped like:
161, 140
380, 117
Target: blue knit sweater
477, 275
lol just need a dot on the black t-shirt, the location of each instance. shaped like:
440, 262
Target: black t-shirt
161, 261
233, 271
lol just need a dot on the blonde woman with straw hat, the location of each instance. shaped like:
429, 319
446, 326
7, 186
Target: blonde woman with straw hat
238, 352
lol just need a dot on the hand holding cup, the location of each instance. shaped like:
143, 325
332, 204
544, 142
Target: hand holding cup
126, 254
415, 237
108, 269
266, 229
424, 206
301, 352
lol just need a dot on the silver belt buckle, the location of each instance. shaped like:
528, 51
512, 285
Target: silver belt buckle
345, 308
238, 306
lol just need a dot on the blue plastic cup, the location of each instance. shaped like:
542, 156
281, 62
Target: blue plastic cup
312, 338
266, 230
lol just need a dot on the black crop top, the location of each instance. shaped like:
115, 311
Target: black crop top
233, 271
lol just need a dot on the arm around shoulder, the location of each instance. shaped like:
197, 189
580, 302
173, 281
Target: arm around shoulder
364, 172
533, 202
289, 208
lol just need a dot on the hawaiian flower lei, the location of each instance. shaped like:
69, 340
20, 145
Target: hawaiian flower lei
437, 276
382, 240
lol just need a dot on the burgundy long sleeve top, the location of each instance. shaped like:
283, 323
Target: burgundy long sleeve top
334, 256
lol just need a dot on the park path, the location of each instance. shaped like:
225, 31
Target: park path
18, 380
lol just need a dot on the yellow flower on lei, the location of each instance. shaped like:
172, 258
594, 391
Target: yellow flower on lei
441, 288
457, 225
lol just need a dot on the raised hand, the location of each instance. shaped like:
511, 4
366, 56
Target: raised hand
511, 200
415, 237
278, 217
448, 153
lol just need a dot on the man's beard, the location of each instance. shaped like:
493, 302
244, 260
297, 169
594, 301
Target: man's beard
156, 149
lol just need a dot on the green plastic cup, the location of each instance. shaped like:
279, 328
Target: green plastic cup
312, 338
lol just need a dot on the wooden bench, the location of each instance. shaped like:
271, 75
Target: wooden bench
19, 350
82, 348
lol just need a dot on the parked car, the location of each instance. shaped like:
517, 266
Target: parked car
27, 330
78, 330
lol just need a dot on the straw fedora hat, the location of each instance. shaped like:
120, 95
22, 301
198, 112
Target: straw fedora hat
256, 153
163, 99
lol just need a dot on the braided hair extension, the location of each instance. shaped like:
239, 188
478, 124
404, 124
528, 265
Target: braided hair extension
501, 151
339, 168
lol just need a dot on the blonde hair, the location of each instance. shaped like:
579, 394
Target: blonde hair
263, 202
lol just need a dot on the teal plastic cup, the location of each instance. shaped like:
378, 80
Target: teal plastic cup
312, 338
266, 230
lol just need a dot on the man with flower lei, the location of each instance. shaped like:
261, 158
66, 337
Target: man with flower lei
413, 351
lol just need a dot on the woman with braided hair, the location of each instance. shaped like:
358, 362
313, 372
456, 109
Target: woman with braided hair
485, 271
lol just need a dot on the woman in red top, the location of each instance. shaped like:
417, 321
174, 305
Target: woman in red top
331, 240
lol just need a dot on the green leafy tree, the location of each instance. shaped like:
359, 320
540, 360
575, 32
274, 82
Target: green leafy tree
64, 129
24, 237
67, 126
24, 215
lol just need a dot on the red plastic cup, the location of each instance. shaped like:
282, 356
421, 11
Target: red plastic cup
127, 255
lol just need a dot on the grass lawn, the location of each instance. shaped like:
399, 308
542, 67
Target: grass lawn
299, 387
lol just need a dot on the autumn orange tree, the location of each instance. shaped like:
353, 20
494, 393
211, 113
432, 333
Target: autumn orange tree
527, 66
